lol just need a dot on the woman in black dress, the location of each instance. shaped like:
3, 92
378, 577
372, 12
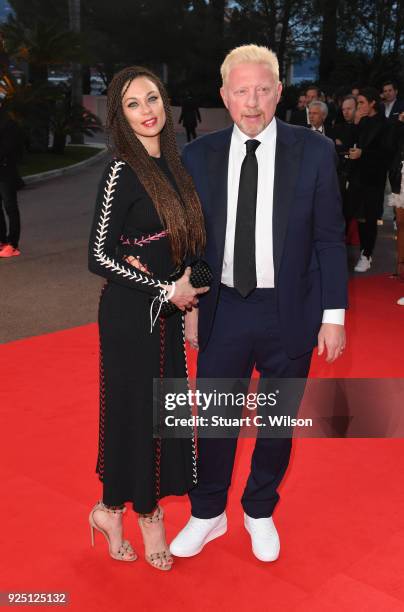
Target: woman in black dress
147, 220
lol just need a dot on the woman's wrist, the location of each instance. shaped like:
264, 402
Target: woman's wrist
171, 291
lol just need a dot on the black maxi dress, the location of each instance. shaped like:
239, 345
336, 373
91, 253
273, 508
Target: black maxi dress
132, 465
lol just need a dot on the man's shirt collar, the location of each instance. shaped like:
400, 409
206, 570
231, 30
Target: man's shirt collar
267, 135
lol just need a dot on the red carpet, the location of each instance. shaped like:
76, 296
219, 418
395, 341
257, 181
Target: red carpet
341, 518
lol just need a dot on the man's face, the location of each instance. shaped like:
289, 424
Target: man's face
311, 95
389, 93
348, 110
251, 94
355, 92
365, 107
301, 103
316, 116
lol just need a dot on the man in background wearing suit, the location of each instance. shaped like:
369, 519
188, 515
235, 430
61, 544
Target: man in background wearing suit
318, 112
391, 104
275, 244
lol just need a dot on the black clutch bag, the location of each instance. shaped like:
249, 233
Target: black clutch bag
201, 276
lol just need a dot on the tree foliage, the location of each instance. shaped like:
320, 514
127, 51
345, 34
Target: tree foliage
187, 39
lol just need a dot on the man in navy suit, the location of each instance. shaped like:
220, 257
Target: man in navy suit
275, 244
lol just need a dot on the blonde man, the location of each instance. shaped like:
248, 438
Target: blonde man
275, 243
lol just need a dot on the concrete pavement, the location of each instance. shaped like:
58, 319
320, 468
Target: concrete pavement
48, 287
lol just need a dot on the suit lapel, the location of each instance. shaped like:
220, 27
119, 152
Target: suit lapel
288, 154
218, 162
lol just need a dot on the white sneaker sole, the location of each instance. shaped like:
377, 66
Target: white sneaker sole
265, 559
215, 533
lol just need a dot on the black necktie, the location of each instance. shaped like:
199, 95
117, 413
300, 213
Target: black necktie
244, 269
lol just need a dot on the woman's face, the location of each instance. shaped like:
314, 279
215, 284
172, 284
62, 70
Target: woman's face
143, 108
365, 107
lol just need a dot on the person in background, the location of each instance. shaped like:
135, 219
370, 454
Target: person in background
190, 116
332, 109
301, 102
318, 112
312, 93
396, 198
299, 114
392, 106
368, 172
355, 90
345, 135
340, 94
10, 151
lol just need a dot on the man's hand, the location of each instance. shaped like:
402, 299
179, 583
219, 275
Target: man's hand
355, 153
332, 338
359, 114
185, 296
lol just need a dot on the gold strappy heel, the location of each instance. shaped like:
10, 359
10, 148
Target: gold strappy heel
125, 552
162, 560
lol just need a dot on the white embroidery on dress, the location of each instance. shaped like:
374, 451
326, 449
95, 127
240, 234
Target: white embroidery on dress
101, 234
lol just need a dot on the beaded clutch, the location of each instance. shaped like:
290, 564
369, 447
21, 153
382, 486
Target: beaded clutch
201, 276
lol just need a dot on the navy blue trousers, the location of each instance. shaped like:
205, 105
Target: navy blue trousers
245, 334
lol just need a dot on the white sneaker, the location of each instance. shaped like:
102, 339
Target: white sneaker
400, 302
264, 537
196, 533
363, 263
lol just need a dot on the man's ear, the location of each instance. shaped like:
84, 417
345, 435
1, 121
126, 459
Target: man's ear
223, 93
279, 92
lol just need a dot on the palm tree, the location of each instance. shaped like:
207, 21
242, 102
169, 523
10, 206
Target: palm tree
71, 119
41, 45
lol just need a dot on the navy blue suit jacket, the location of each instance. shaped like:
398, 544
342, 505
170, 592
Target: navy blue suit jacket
308, 229
398, 107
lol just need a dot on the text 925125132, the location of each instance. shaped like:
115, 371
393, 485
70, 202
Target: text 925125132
20, 598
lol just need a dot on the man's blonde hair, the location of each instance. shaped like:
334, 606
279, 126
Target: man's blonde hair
250, 53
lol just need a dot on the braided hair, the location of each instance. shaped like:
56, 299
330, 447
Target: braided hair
180, 213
